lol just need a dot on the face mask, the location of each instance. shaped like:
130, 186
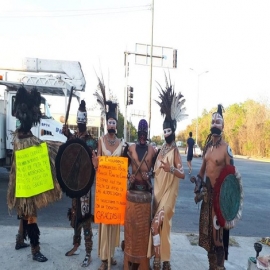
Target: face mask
217, 121
169, 138
81, 127
111, 126
81, 117
167, 132
215, 131
111, 130
142, 137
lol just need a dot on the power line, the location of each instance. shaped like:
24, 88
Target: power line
79, 10
102, 11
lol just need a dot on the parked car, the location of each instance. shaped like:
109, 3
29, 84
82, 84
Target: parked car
154, 146
197, 151
179, 143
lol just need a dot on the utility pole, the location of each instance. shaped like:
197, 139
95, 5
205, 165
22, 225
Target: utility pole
126, 63
151, 70
125, 94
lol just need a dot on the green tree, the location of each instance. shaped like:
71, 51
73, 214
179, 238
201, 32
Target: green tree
120, 125
157, 140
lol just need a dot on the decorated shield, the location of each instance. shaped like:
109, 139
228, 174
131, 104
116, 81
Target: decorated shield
74, 168
228, 197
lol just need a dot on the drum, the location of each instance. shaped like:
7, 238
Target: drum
137, 229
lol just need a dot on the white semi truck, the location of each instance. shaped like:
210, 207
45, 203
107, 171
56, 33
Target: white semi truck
50, 77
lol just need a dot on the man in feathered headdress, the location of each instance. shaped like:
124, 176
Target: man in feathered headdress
27, 111
80, 212
168, 170
217, 163
108, 145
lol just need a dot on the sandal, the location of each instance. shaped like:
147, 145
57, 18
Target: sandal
104, 265
166, 266
113, 261
123, 245
86, 260
39, 257
73, 251
21, 245
156, 264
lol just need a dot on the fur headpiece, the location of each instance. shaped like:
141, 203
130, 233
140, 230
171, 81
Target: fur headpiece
82, 113
27, 108
171, 105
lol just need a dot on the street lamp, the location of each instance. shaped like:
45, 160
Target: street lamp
198, 74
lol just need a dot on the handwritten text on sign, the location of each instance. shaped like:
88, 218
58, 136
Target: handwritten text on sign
33, 171
111, 189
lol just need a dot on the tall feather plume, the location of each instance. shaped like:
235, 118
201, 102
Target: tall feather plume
171, 104
177, 109
101, 97
220, 109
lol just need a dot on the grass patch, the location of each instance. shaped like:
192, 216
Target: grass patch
194, 240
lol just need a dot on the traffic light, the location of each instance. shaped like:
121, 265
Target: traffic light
174, 58
129, 95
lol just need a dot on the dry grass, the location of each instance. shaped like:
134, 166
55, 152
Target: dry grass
194, 240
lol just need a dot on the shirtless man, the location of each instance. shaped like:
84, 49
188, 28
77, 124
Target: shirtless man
217, 154
141, 158
142, 180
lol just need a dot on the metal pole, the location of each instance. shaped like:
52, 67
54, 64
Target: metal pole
197, 108
125, 97
151, 69
198, 86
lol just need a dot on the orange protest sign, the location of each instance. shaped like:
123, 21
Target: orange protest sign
111, 189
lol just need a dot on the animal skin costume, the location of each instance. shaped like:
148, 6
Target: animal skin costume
80, 212
166, 183
26, 109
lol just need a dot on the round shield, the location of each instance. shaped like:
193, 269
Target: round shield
228, 197
74, 168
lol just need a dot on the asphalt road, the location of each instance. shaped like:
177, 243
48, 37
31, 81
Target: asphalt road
256, 210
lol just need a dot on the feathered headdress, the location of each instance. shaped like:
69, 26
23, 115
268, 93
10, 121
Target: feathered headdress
171, 105
101, 97
220, 110
111, 112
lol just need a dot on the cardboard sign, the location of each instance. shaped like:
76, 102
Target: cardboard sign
111, 189
33, 171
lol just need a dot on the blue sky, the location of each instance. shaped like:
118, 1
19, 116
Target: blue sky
230, 39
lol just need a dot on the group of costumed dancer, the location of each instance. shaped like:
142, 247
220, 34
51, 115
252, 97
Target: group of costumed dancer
149, 208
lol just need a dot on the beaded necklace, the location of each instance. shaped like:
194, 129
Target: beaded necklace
216, 144
111, 142
165, 148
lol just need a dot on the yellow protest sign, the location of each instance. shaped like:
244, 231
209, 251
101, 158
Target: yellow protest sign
111, 189
33, 171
